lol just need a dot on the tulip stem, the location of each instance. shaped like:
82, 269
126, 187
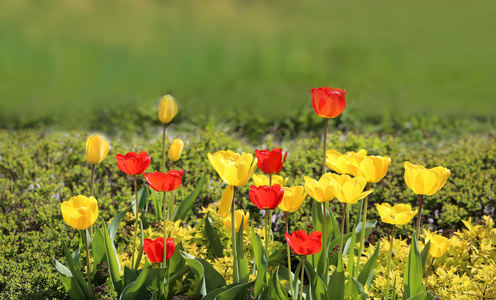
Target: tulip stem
164, 204
93, 180
163, 145
88, 260
267, 240
343, 217
325, 147
389, 262
136, 203
325, 236
233, 230
171, 210
364, 221
419, 216
289, 257
302, 273
271, 211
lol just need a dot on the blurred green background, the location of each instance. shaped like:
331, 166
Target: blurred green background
64, 62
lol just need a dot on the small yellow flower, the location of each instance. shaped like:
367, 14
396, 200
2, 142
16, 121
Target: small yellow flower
400, 214
264, 180
239, 215
97, 148
349, 190
293, 198
80, 212
226, 201
233, 168
321, 190
439, 244
175, 150
424, 181
167, 109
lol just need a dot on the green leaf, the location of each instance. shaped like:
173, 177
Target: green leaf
98, 246
185, 206
76, 273
317, 288
143, 197
318, 260
357, 290
367, 273
244, 270
157, 204
394, 288
283, 274
210, 279
336, 285
129, 276
351, 252
68, 281
177, 261
412, 284
422, 296
113, 262
116, 222
133, 289
213, 238
261, 260
279, 289
76, 257
276, 258
424, 253
140, 253
296, 283
228, 292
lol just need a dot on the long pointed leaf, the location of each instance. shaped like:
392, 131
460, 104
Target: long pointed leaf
116, 223
413, 272
213, 238
424, 253
244, 270
113, 262
336, 285
76, 273
140, 253
316, 288
132, 290
210, 279
261, 259
68, 281
185, 206
367, 273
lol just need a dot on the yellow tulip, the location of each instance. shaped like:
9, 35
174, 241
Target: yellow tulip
349, 190
80, 212
400, 214
339, 162
373, 168
264, 180
321, 190
97, 148
439, 244
238, 216
293, 198
167, 109
424, 181
175, 150
233, 168
226, 201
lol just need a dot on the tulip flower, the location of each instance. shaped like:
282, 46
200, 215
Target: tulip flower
167, 109
338, 162
132, 163
424, 181
266, 197
264, 180
175, 150
164, 182
349, 190
80, 212
321, 190
97, 148
400, 214
439, 244
233, 168
270, 162
238, 216
154, 249
328, 102
304, 244
293, 198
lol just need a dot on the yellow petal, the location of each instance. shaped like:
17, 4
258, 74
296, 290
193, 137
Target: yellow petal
226, 201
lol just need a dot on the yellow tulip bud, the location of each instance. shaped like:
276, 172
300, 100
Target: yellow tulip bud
167, 109
97, 149
264, 180
226, 201
293, 198
239, 215
439, 244
175, 150
80, 212
424, 181
349, 190
321, 190
233, 168
400, 214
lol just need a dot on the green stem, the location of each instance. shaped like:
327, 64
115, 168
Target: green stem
364, 221
302, 273
164, 214
135, 222
163, 145
347, 219
271, 211
289, 257
389, 262
419, 216
171, 210
325, 147
343, 217
267, 240
88, 260
325, 236
93, 180
233, 230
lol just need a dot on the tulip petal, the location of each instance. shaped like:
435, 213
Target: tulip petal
226, 201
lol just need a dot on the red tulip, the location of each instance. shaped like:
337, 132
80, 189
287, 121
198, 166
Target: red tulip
270, 162
301, 243
164, 182
132, 163
328, 102
154, 249
266, 197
